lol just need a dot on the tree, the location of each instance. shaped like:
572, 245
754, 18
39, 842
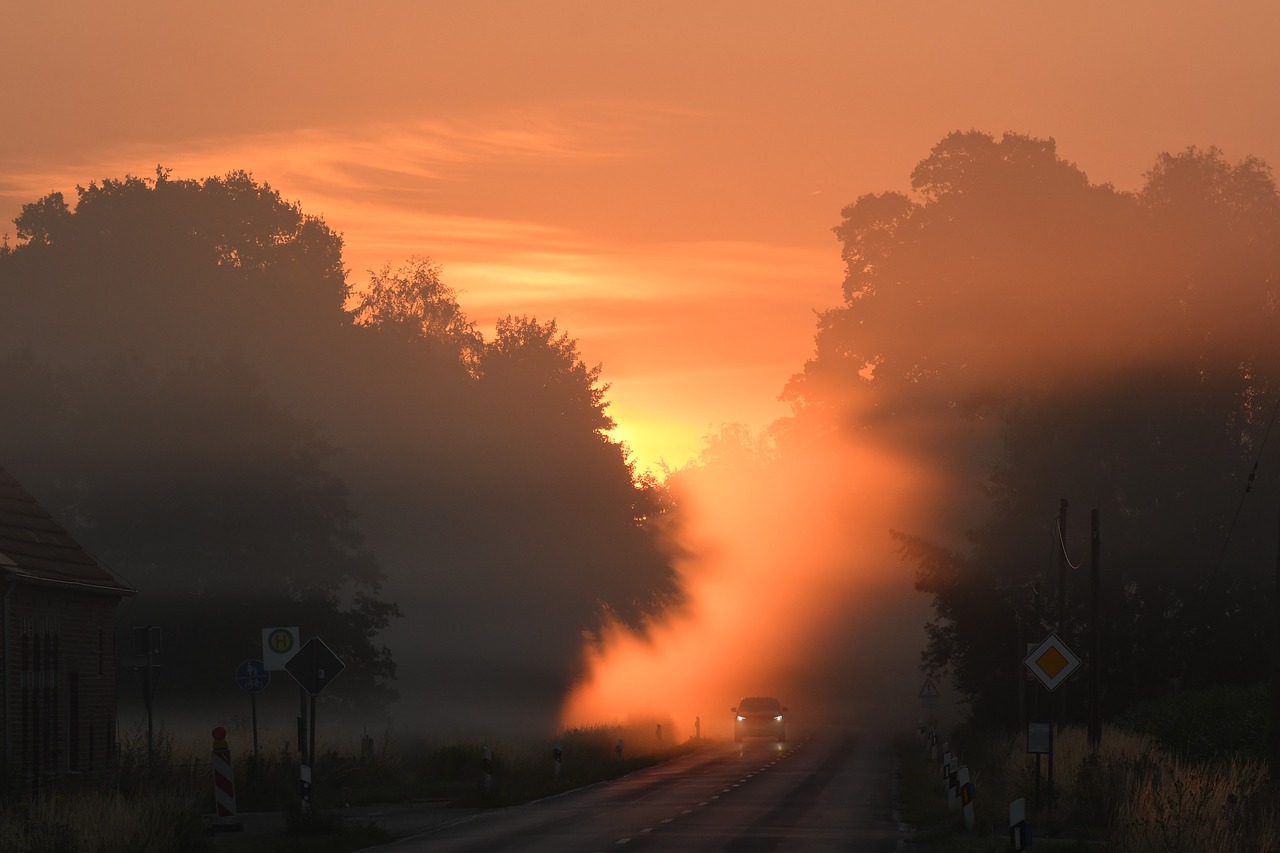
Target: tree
179, 267
536, 368
1035, 336
214, 503
280, 441
413, 303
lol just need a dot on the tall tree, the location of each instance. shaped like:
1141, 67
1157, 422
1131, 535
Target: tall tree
1042, 337
214, 502
483, 473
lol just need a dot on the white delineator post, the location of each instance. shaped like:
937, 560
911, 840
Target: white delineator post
487, 762
1019, 829
966, 796
949, 763
557, 755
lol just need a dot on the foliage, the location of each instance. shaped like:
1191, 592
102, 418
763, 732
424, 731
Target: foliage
1034, 337
155, 822
1214, 724
210, 408
413, 302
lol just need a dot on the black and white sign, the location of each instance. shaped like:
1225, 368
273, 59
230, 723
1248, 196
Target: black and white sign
314, 666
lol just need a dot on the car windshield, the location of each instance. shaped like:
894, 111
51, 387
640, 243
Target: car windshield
759, 705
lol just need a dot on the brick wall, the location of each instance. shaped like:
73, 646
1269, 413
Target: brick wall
62, 688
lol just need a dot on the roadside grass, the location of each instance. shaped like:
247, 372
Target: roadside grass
162, 803
1129, 795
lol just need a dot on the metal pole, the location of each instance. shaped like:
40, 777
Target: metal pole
311, 748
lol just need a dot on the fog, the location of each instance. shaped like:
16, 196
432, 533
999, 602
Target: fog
254, 443
814, 607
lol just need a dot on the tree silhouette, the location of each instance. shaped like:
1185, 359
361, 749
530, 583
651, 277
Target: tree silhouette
195, 384
1037, 337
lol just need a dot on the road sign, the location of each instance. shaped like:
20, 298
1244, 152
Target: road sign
278, 645
252, 676
1052, 662
314, 666
929, 694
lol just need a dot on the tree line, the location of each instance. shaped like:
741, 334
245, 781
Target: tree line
1038, 337
193, 387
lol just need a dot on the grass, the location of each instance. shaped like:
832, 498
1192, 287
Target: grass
158, 804
110, 822
1130, 795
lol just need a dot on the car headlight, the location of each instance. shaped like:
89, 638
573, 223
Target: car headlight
741, 718
778, 718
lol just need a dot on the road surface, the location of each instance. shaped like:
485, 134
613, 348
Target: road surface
826, 793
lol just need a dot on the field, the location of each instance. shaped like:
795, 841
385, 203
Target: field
1130, 795
166, 804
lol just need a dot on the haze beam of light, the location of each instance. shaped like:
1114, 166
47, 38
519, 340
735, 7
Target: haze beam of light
795, 589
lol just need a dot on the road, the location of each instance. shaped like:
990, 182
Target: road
826, 793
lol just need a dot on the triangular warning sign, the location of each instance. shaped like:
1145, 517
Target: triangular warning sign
928, 691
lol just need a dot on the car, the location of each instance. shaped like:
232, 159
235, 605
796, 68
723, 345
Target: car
759, 716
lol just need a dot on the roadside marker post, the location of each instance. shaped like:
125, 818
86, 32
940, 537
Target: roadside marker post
557, 755
313, 666
486, 762
1019, 829
224, 786
966, 796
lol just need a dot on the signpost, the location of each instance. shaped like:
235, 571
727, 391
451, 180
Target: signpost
253, 678
313, 666
146, 648
929, 695
278, 645
1052, 662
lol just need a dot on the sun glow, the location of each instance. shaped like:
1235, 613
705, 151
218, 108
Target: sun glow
788, 569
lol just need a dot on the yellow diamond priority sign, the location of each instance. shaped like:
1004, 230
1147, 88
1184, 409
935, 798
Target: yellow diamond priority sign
1052, 662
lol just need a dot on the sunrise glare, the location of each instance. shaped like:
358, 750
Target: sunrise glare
576, 370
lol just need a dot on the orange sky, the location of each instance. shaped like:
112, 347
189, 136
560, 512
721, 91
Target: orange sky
660, 177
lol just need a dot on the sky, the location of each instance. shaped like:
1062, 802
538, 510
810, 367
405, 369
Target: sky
661, 178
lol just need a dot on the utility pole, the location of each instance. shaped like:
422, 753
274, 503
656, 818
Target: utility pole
1062, 599
1273, 752
1095, 713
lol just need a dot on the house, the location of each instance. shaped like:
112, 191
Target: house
57, 651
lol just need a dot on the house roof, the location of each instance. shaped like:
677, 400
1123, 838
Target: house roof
35, 548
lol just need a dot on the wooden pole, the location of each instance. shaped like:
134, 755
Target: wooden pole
1095, 713
1062, 609
1273, 752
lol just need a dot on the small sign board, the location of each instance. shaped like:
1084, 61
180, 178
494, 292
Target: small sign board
252, 676
314, 666
929, 695
278, 645
1052, 662
1040, 738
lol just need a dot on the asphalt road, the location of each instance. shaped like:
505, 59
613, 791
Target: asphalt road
826, 793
